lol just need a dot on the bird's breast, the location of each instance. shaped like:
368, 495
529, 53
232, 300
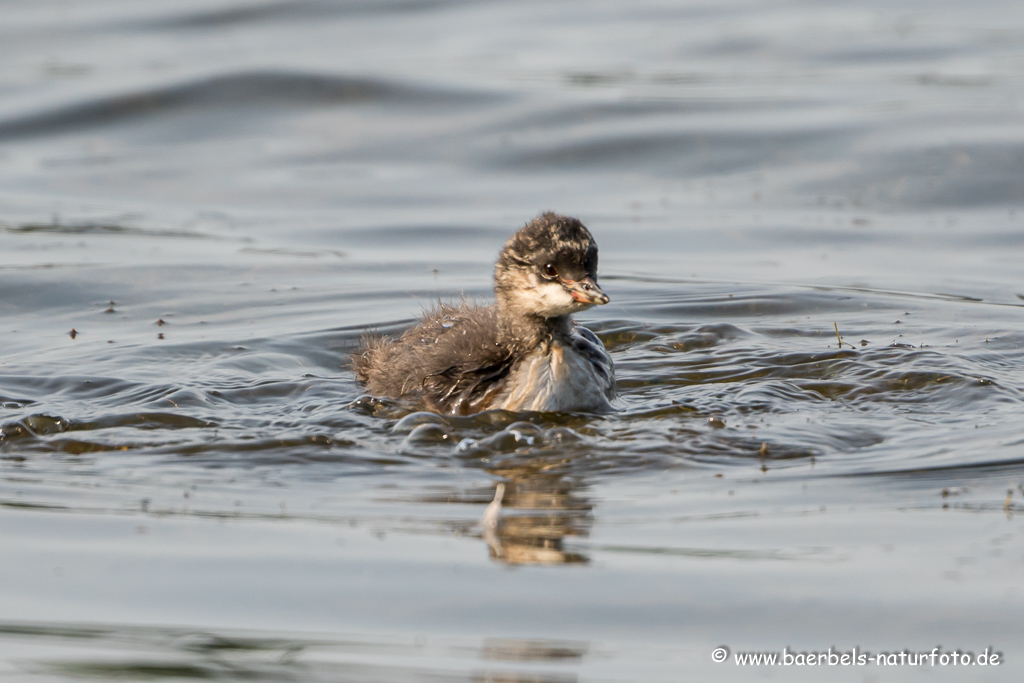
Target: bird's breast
558, 376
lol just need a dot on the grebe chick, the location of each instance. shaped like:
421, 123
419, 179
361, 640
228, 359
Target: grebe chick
522, 353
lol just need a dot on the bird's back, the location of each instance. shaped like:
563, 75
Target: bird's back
452, 361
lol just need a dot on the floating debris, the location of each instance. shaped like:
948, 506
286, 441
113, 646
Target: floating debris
840, 339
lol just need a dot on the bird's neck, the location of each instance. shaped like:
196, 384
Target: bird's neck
528, 331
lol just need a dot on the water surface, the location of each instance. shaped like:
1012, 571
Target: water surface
809, 217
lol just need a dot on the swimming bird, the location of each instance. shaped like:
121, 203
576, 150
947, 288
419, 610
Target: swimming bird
524, 352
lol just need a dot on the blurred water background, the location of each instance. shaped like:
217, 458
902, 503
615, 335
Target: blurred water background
219, 197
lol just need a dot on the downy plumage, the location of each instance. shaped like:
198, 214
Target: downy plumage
524, 352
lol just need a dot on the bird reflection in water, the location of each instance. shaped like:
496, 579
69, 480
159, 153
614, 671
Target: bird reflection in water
531, 515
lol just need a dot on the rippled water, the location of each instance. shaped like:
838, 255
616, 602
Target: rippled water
810, 221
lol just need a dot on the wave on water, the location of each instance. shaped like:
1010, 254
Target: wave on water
254, 91
81, 652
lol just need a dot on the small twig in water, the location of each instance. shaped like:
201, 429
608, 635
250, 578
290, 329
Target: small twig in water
841, 342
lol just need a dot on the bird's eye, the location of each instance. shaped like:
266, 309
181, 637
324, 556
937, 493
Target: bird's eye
550, 270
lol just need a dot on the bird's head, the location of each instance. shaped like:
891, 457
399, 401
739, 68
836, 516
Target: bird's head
549, 269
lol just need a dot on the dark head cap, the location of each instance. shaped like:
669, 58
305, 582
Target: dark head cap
561, 242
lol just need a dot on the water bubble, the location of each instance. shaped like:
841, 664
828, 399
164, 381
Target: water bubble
524, 428
428, 433
561, 435
467, 445
507, 441
412, 420
371, 405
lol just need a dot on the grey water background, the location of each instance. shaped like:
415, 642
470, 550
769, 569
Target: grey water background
219, 198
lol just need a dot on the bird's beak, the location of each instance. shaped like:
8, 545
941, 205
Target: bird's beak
586, 291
